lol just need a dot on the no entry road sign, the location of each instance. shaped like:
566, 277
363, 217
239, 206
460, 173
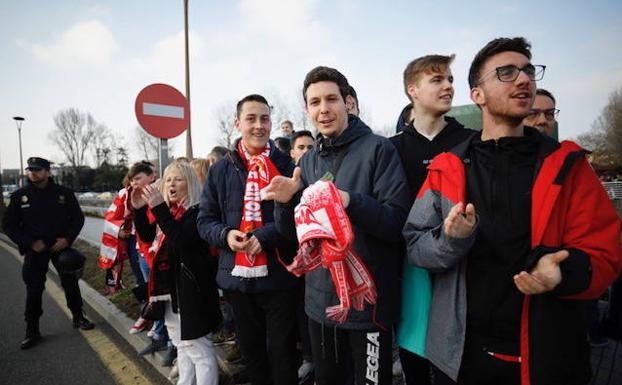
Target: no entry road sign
162, 111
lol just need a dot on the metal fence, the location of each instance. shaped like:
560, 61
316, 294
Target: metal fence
614, 190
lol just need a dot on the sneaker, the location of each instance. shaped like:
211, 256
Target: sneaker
223, 337
305, 372
30, 340
81, 322
174, 373
140, 325
151, 331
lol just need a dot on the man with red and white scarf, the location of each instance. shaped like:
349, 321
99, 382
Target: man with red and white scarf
351, 269
251, 265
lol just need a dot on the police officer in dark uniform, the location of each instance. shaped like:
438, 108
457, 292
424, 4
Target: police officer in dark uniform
44, 219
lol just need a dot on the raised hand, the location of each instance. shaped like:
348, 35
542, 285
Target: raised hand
282, 188
136, 198
460, 222
544, 277
253, 247
152, 195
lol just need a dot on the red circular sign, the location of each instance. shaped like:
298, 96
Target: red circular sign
162, 111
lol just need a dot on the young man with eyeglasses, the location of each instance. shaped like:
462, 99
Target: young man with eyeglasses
543, 113
516, 231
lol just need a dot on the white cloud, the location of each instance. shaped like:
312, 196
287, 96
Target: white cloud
85, 43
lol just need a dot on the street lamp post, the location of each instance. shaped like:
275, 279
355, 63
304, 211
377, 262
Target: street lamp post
19, 120
188, 132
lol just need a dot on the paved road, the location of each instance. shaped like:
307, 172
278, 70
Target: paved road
92, 230
66, 355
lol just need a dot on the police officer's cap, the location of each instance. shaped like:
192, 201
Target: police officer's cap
36, 164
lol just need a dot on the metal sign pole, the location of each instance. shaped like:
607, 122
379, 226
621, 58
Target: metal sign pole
163, 156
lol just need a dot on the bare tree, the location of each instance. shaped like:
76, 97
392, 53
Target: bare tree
605, 138
225, 116
101, 145
73, 134
147, 144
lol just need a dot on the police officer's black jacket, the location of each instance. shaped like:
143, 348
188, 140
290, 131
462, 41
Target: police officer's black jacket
42, 213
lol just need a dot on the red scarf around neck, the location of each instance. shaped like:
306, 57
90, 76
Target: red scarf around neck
159, 282
261, 170
325, 237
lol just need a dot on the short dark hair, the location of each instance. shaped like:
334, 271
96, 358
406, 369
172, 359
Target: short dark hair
496, 46
250, 98
283, 144
288, 122
299, 134
138, 167
352, 92
425, 65
326, 74
543, 92
219, 152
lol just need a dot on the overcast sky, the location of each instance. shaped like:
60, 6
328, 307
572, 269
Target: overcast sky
97, 55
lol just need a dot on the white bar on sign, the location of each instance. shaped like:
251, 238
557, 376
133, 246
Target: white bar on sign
163, 110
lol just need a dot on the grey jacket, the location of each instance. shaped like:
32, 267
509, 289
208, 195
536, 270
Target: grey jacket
430, 248
368, 167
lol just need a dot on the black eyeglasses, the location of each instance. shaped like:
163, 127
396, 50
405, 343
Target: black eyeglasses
509, 73
549, 114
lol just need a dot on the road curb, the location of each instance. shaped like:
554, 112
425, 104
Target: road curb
120, 322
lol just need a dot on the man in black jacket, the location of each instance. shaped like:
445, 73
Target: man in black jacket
44, 219
426, 132
367, 171
262, 295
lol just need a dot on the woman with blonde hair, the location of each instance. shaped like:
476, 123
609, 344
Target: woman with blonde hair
201, 167
183, 273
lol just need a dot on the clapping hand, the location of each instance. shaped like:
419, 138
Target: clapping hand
460, 222
151, 195
544, 277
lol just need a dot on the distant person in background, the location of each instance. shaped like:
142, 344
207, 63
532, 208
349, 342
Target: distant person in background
217, 154
283, 144
352, 104
44, 219
302, 141
200, 167
287, 129
543, 114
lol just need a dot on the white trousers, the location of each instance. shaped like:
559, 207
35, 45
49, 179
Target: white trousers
196, 359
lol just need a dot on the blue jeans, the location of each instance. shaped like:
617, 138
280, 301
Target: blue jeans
134, 260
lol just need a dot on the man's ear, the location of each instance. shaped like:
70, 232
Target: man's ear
477, 96
236, 124
350, 101
412, 91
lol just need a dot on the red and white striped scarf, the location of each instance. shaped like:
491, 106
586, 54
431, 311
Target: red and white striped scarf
325, 237
113, 248
261, 170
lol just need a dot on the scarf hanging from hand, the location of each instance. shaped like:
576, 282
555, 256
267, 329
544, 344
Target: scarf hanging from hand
159, 281
325, 237
261, 170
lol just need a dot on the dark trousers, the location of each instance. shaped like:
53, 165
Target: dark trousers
416, 368
266, 332
337, 353
34, 270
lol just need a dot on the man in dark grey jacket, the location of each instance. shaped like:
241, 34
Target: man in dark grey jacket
368, 173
